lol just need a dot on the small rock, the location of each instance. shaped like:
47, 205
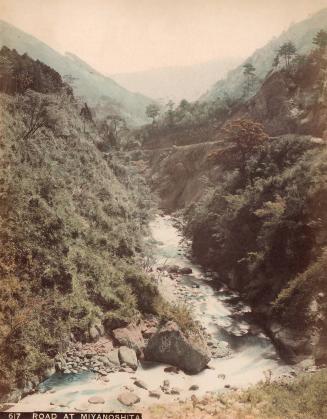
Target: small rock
96, 400
166, 383
128, 398
141, 384
155, 394
185, 271
221, 376
194, 387
175, 390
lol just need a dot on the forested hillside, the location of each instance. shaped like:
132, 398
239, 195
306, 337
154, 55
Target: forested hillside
253, 195
72, 225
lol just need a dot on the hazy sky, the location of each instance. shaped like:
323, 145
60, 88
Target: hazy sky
129, 35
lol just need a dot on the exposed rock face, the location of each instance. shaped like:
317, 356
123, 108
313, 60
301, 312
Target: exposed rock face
130, 336
171, 346
294, 345
128, 356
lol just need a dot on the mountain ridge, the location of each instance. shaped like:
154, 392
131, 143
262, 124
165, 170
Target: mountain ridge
301, 33
89, 83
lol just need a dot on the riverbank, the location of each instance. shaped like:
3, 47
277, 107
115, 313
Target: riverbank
241, 353
302, 397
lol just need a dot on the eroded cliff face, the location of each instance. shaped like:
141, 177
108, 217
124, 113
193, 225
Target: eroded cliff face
292, 100
180, 175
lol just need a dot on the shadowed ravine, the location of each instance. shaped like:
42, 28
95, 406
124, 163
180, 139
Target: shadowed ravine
248, 351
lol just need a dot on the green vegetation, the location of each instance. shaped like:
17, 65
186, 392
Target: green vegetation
287, 52
264, 224
321, 39
72, 225
303, 398
249, 74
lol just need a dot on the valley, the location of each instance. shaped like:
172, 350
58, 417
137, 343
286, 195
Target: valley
241, 353
168, 259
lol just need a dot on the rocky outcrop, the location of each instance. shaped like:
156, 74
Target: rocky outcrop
128, 356
171, 346
130, 336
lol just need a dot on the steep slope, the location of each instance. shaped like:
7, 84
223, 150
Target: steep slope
72, 228
88, 83
177, 83
300, 33
255, 204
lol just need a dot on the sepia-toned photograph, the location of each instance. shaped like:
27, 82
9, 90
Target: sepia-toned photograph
163, 209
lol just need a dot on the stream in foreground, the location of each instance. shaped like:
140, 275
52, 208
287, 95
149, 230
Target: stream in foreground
248, 352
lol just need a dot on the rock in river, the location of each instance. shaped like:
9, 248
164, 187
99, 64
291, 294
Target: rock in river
96, 400
185, 271
141, 384
169, 345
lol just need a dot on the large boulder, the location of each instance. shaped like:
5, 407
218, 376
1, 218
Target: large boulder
130, 336
128, 356
170, 346
113, 357
294, 345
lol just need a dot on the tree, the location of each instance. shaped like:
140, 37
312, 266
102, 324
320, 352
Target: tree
6, 70
244, 138
170, 112
37, 111
111, 129
86, 115
320, 39
287, 51
152, 111
249, 73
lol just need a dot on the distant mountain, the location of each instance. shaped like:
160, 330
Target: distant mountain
300, 33
176, 83
98, 90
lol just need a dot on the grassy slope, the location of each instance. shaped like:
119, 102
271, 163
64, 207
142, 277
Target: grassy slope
71, 226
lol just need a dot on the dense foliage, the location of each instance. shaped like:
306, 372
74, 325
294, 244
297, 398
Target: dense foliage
20, 72
72, 222
263, 227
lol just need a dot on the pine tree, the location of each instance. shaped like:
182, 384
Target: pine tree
249, 73
320, 39
287, 51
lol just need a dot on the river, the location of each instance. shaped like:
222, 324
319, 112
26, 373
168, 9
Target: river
249, 352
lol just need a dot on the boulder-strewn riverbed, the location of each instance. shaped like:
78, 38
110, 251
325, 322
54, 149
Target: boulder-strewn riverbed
100, 377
